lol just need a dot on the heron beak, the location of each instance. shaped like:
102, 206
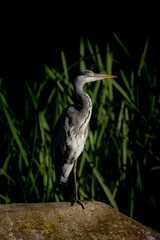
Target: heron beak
101, 76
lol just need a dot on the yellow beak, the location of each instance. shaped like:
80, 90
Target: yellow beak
100, 76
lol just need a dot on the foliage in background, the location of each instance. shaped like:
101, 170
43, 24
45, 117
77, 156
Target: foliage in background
121, 161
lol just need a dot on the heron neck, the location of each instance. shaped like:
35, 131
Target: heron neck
85, 101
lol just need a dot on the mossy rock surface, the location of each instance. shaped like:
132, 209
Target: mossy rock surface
61, 221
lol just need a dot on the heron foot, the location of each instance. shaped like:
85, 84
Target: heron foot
79, 202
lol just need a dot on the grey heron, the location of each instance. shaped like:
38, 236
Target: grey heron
71, 130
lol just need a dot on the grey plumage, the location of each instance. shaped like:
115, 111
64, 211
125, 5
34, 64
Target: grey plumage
71, 130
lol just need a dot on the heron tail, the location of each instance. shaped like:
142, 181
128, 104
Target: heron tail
66, 169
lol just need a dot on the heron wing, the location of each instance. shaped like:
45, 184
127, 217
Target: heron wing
60, 149
58, 144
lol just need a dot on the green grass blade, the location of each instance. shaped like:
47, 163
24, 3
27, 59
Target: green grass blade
64, 64
132, 203
123, 93
122, 45
3, 170
50, 73
14, 130
6, 199
92, 53
105, 188
82, 55
33, 97
142, 60
109, 59
126, 82
99, 59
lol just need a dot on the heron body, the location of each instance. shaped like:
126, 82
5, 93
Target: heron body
71, 130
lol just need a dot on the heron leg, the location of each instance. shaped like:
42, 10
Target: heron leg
75, 184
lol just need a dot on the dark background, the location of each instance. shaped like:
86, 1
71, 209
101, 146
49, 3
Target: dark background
23, 53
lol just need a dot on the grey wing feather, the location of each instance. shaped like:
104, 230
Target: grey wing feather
58, 144
60, 149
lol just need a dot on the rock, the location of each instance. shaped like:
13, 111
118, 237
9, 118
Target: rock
61, 221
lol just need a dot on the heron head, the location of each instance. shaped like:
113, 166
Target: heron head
89, 76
